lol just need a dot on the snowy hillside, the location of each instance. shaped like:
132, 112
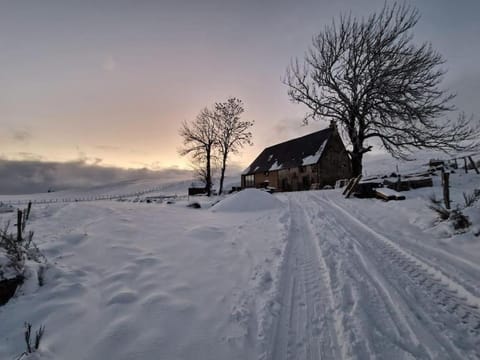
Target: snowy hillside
124, 189
304, 275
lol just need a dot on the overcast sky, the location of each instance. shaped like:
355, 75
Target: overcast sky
109, 82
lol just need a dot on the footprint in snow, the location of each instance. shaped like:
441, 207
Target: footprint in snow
123, 297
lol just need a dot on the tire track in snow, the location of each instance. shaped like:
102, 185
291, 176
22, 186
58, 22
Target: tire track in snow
305, 327
461, 270
454, 311
365, 306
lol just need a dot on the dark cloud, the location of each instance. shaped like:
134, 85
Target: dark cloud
26, 177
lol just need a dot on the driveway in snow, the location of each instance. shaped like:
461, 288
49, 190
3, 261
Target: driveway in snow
359, 281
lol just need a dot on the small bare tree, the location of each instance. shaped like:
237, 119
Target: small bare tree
199, 138
232, 133
375, 82
200, 170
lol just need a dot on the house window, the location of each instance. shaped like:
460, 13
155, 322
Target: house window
266, 173
302, 169
250, 180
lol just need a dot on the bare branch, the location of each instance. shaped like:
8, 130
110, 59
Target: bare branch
374, 81
199, 138
232, 132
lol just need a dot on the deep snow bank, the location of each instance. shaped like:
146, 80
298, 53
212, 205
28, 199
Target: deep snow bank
248, 200
153, 282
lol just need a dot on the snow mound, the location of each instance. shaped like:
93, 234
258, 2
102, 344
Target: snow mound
248, 200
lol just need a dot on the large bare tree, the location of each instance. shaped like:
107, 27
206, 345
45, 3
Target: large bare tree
374, 81
232, 132
199, 139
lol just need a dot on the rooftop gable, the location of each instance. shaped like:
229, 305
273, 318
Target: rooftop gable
305, 150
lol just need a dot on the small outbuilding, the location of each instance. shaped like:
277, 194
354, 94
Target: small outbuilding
308, 162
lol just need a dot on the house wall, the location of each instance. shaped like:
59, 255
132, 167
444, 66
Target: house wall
270, 178
298, 178
334, 164
262, 179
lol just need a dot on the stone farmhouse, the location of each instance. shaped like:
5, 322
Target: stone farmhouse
308, 162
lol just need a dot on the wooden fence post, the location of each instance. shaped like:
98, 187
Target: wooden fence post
446, 189
465, 164
24, 219
19, 225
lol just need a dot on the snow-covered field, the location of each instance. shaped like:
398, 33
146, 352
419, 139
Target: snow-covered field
306, 275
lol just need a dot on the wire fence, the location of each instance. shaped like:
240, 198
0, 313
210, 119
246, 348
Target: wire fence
83, 198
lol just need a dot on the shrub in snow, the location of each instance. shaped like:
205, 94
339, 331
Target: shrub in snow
15, 251
19, 256
470, 199
459, 220
31, 347
442, 213
456, 217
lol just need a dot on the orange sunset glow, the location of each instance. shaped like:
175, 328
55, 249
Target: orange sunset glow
110, 83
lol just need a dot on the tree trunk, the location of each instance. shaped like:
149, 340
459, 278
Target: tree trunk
356, 163
222, 173
208, 177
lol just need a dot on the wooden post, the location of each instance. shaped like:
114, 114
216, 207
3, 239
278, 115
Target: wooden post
456, 163
347, 187
19, 225
354, 185
473, 165
24, 220
465, 163
446, 189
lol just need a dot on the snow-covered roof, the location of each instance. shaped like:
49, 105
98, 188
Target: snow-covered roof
302, 151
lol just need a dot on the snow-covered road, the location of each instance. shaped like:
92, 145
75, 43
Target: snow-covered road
354, 287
